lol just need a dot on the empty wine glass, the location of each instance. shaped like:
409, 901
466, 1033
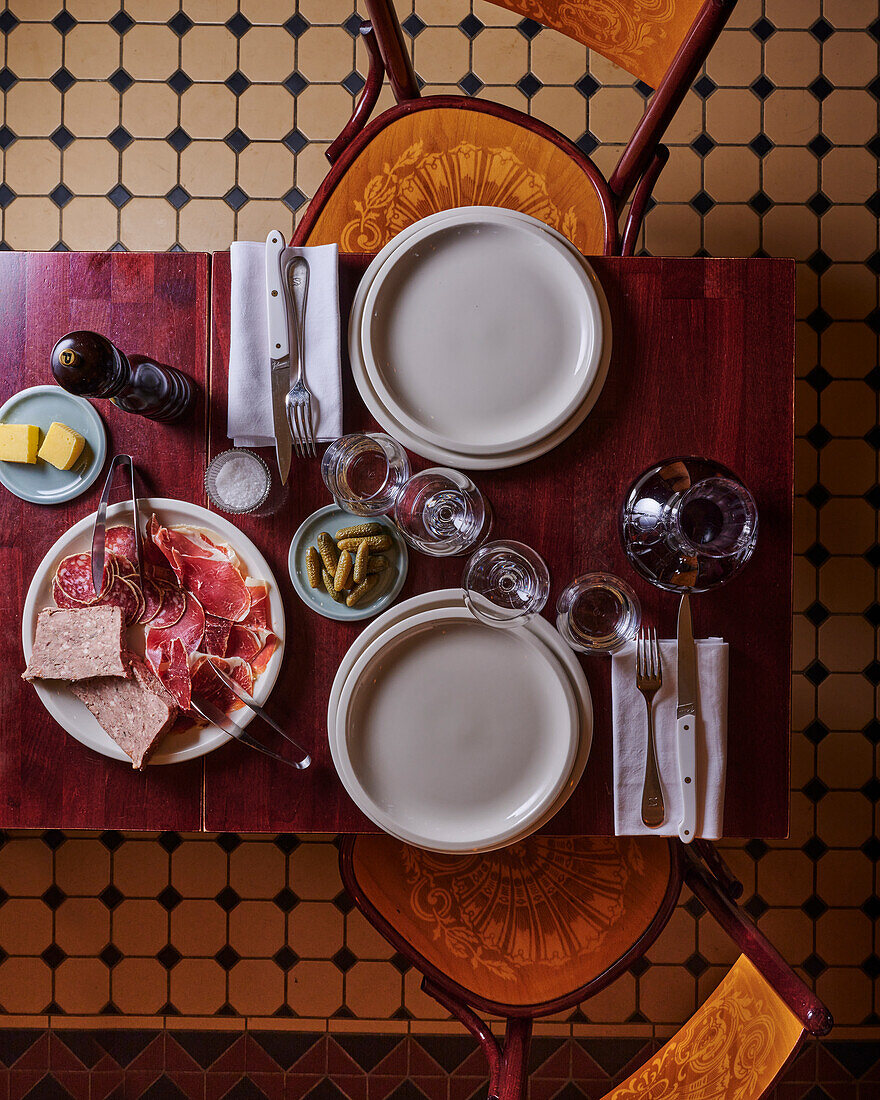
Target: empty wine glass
505, 583
688, 523
598, 613
441, 512
364, 472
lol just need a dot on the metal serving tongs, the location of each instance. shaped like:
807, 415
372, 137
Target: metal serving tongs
101, 524
213, 713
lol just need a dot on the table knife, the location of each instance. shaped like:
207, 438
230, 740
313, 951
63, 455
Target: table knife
279, 349
239, 692
687, 721
213, 714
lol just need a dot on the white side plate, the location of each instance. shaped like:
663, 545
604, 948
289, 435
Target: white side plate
73, 716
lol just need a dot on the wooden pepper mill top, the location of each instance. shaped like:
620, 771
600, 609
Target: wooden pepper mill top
90, 365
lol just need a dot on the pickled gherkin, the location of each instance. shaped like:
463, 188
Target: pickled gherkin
343, 571
327, 550
357, 594
359, 531
313, 567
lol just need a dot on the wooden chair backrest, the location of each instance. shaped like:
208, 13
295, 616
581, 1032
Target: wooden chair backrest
522, 929
642, 36
733, 1047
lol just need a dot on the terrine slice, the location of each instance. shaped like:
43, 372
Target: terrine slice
136, 713
78, 644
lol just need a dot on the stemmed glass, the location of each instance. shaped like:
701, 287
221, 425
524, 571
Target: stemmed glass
505, 583
441, 512
364, 472
688, 524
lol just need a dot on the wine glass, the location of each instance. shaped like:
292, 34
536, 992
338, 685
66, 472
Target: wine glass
505, 583
441, 512
688, 523
364, 472
598, 613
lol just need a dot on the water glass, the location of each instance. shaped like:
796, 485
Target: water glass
505, 583
598, 613
688, 523
364, 472
441, 512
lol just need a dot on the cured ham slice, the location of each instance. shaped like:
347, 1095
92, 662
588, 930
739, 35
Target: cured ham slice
216, 637
207, 685
258, 664
205, 568
258, 615
188, 629
172, 668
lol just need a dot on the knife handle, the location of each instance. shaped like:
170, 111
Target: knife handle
276, 301
687, 767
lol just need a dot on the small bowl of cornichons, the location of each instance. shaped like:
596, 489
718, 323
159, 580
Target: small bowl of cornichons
345, 567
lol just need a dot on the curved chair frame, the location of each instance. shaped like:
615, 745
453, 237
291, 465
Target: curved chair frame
636, 172
712, 883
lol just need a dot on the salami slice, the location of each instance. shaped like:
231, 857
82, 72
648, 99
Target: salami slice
74, 576
62, 599
216, 635
133, 582
120, 541
173, 606
121, 594
153, 600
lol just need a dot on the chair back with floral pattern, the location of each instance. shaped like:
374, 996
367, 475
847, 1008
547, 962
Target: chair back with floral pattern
642, 36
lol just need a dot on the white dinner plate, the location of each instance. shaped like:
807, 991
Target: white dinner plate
454, 597
74, 716
452, 735
481, 336
435, 452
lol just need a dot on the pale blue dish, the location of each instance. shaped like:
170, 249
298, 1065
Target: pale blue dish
330, 519
41, 483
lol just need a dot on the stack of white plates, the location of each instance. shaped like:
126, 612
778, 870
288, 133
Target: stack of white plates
479, 337
456, 736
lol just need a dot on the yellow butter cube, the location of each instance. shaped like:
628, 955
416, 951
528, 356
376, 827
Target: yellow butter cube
62, 446
19, 442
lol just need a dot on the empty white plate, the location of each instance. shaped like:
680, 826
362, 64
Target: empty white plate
482, 335
453, 736
414, 441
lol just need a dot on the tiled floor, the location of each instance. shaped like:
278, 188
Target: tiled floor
165, 124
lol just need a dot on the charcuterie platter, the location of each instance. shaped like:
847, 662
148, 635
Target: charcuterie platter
207, 591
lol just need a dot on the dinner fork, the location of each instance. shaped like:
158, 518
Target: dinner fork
649, 679
299, 400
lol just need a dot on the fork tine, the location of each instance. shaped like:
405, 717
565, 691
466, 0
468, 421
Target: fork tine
297, 432
311, 430
299, 428
639, 655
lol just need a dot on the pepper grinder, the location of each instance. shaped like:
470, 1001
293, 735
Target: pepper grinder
89, 365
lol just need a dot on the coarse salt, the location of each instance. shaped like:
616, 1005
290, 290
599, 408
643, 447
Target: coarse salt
241, 482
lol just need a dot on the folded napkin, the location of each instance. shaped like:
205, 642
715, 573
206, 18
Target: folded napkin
249, 420
630, 733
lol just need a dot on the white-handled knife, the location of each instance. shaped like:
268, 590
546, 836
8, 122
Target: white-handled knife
687, 721
279, 349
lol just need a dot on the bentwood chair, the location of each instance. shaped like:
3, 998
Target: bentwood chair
430, 153
545, 924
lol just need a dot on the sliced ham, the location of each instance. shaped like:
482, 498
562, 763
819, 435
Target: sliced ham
258, 615
171, 665
217, 633
207, 569
188, 629
206, 684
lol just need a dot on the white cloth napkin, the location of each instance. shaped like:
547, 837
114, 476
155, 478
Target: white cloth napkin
249, 418
630, 733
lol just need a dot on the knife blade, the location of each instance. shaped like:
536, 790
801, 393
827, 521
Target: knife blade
213, 714
686, 717
279, 350
239, 692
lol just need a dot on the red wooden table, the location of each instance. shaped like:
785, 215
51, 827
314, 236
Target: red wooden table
702, 364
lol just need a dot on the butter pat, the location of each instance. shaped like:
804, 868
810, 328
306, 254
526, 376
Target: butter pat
62, 446
19, 442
